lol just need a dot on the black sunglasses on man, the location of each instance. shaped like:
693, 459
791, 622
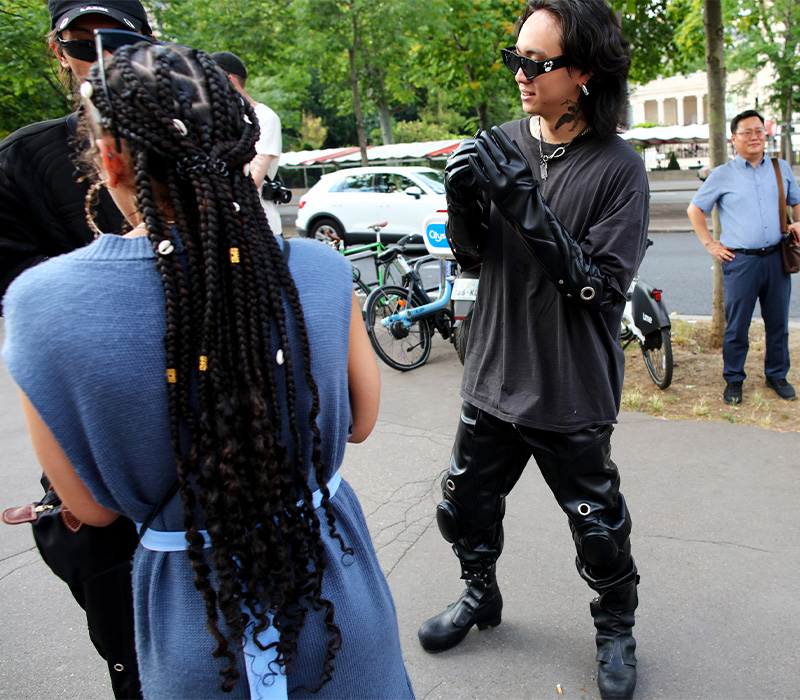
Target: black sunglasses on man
530, 67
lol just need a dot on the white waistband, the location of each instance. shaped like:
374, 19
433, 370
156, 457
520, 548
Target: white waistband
175, 540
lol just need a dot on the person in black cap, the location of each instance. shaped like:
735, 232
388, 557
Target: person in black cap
268, 147
42, 214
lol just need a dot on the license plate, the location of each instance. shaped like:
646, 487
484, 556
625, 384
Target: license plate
465, 289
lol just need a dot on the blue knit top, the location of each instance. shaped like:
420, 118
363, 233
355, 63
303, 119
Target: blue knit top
84, 340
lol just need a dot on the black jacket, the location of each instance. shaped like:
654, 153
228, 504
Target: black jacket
41, 200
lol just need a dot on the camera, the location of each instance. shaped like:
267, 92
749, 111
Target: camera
276, 191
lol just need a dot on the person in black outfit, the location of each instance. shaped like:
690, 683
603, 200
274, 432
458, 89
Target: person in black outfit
555, 206
43, 214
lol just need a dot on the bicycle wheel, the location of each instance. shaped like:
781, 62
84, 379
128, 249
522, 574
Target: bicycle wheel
657, 353
399, 346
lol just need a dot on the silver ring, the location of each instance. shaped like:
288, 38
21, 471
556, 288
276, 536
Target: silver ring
450, 485
587, 293
584, 509
119, 667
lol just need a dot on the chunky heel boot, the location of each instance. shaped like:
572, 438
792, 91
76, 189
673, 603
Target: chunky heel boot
616, 660
480, 604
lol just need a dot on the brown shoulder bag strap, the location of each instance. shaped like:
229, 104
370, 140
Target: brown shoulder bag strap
781, 196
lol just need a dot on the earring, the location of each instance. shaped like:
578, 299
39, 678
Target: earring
585, 90
91, 198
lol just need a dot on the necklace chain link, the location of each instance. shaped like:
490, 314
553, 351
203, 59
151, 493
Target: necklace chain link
560, 151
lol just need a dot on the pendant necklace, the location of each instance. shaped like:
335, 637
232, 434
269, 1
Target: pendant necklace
560, 151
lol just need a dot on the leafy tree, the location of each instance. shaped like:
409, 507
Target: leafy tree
460, 53
767, 32
29, 91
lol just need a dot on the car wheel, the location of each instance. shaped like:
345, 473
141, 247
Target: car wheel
326, 230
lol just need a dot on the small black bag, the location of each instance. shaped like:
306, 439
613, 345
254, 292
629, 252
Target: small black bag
75, 551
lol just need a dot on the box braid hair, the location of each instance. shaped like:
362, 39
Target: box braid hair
189, 135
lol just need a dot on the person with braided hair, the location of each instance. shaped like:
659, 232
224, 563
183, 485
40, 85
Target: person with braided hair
43, 195
194, 376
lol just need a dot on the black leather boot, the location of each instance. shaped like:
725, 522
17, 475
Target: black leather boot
480, 604
613, 614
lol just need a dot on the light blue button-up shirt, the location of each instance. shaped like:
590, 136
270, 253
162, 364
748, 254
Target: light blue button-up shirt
747, 199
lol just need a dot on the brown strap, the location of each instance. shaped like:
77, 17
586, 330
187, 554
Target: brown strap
781, 196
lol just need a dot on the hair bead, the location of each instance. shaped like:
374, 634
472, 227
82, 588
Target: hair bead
203, 364
234, 255
172, 376
166, 247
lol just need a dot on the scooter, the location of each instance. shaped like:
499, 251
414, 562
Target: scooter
646, 320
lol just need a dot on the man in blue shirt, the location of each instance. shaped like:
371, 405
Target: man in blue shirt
745, 191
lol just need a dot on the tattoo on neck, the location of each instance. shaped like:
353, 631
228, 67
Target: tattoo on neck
570, 116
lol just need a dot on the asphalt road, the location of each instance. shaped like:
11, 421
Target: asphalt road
713, 538
678, 264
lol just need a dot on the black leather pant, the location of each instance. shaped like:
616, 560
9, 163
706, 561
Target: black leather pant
487, 460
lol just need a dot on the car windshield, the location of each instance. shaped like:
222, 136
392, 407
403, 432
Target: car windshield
434, 179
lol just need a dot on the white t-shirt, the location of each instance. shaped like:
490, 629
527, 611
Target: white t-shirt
269, 144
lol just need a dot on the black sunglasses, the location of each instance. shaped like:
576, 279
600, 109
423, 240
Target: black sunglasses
530, 67
110, 40
86, 49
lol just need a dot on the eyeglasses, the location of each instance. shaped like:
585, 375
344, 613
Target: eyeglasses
530, 67
749, 132
86, 49
110, 40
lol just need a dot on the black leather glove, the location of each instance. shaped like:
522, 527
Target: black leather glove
505, 175
467, 207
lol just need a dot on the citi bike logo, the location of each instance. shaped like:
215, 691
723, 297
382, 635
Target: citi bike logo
436, 235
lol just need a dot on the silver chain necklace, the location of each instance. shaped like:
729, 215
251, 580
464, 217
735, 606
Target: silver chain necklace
560, 151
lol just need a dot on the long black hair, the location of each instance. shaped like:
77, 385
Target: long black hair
235, 381
592, 42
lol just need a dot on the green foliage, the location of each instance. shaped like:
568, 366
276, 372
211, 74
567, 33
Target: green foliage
313, 132
767, 33
29, 91
422, 130
460, 53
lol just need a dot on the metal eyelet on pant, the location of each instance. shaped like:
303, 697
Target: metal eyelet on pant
587, 293
584, 509
119, 667
450, 485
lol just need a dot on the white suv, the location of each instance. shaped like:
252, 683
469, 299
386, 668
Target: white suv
347, 204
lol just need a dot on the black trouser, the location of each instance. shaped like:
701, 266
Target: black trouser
488, 458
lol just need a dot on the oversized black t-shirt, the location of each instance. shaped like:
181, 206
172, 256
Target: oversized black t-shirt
536, 357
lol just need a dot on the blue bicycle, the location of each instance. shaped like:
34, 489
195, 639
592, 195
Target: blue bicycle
401, 320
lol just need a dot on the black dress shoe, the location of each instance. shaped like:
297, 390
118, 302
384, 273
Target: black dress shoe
480, 604
616, 660
782, 388
733, 393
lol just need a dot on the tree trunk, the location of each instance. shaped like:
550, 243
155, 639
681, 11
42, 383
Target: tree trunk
715, 67
385, 119
786, 132
362, 134
482, 110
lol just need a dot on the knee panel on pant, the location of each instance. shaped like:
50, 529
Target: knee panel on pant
456, 521
602, 540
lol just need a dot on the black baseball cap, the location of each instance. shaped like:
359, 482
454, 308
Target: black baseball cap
230, 63
130, 13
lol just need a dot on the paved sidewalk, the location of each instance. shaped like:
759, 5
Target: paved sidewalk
714, 508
